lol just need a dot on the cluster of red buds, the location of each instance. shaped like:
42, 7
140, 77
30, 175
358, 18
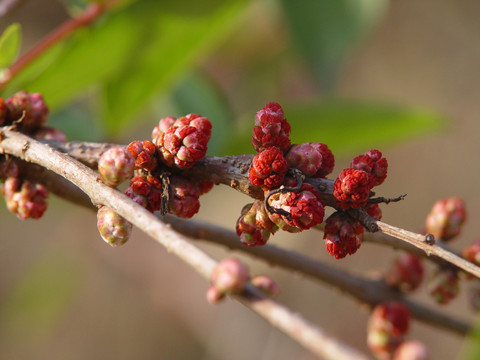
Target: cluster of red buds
279, 168
151, 167
231, 276
292, 204
28, 113
388, 324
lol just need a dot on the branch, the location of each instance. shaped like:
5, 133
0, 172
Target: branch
233, 171
366, 290
299, 329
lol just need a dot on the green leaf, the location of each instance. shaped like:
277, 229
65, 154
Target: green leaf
198, 94
346, 126
91, 56
40, 298
174, 43
325, 31
10, 45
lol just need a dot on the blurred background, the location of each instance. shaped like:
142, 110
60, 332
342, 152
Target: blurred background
400, 76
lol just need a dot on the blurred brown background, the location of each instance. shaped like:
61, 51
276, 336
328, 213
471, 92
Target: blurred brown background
138, 301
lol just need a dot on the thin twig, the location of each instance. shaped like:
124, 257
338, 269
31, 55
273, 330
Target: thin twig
366, 290
233, 171
292, 324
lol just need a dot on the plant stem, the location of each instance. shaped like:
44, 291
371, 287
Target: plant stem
92, 12
233, 171
308, 335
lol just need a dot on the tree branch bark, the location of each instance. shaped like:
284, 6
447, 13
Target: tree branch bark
297, 328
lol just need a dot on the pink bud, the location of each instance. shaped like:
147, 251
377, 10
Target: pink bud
230, 276
115, 166
446, 218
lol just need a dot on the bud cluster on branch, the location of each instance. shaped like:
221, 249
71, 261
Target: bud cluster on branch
288, 182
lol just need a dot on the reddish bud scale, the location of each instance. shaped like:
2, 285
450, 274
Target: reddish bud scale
184, 141
25, 199
184, 201
115, 166
380, 167
446, 218
373, 164
328, 160
351, 189
304, 157
204, 186
406, 272
342, 235
305, 209
271, 128
162, 127
146, 191
144, 153
268, 168
443, 286
32, 105
113, 228
374, 211
251, 226
230, 276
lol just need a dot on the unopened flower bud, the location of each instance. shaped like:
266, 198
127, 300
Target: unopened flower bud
446, 218
405, 273
443, 286
230, 276
114, 229
115, 166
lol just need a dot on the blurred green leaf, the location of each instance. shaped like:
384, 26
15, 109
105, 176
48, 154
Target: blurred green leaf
198, 94
173, 42
77, 122
92, 55
10, 45
324, 31
40, 298
346, 126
